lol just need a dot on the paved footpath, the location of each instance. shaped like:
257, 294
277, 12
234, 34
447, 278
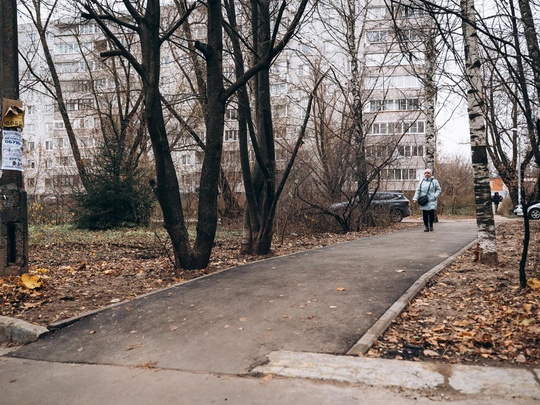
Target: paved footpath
284, 330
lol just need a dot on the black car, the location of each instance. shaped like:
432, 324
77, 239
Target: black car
392, 203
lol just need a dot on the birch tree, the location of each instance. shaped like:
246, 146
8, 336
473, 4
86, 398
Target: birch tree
487, 245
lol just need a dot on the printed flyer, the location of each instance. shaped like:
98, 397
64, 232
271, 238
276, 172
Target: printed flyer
12, 150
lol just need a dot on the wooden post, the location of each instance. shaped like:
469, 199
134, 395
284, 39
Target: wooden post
13, 201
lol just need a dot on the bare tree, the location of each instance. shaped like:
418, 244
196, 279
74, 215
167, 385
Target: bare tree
42, 15
265, 43
484, 213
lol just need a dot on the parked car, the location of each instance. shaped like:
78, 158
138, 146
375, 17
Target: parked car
533, 211
384, 202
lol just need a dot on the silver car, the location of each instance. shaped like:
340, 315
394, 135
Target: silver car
533, 211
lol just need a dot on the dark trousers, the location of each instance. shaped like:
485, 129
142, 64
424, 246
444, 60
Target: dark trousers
428, 217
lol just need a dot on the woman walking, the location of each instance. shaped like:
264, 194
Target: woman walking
427, 193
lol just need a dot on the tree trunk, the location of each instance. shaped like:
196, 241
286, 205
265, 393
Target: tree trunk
482, 192
215, 122
359, 136
167, 189
431, 99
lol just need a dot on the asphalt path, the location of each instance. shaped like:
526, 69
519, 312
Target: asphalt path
319, 301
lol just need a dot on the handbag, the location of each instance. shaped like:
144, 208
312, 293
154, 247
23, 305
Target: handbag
423, 199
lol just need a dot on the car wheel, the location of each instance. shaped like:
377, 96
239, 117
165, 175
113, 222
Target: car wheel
534, 213
397, 215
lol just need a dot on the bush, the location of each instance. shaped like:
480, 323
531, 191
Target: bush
117, 193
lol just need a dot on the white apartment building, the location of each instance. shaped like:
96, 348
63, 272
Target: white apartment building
395, 69
393, 100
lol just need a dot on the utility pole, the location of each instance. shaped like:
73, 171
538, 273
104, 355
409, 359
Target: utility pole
13, 201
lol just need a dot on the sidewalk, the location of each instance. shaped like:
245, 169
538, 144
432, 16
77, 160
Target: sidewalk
222, 337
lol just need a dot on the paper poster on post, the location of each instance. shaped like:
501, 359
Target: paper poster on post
12, 113
12, 150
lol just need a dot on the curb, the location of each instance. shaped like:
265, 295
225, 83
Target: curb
19, 332
494, 382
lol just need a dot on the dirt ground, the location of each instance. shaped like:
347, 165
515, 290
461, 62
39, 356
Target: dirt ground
469, 313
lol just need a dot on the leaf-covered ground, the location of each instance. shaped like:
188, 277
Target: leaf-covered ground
474, 314
469, 313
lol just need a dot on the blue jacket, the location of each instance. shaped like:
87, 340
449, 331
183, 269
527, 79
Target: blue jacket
433, 194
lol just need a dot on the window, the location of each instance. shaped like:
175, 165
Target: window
231, 113
410, 150
279, 111
87, 142
86, 104
48, 145
71, 105
409, 35
379, 128
376, 151
399, 174
65, 180
66, 48
101, 84
62, 161
410, 12
376, 13
30, 109
398, 127
31, 182
404, 104
61, 143
88, 28
67, 67
398, 82
277, 89
100, 46
231, 134
185, 159
377, 37
306, 49
280, 68
32, 164
31, 145
415, 127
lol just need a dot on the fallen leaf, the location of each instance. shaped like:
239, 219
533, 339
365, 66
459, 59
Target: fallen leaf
533, 284
340, 289
30, 282
430, 353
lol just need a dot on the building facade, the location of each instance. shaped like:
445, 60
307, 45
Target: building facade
390, 80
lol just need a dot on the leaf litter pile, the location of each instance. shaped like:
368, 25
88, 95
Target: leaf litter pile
474, 314
469, 313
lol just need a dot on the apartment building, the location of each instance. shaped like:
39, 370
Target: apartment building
393, 100
395, 58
